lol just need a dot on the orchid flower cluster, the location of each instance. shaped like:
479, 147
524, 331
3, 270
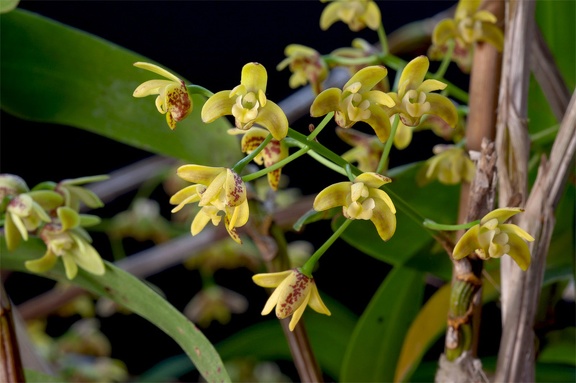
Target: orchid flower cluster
51, 211
419, 100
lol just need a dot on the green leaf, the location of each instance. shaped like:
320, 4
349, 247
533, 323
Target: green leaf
132, 293
377, 339
411, 245
560, 347
57, 74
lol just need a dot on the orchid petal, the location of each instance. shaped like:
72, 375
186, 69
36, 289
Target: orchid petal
87, 257
502, 214
217, 106
43, 264
515, 230
70, 266
156, 69
445, 30
329, 16
69, 218
466, 8
468, 243
485, 16
431, 85
413, 74
199, 174
373, 17
326, 102
373, 180
403, 136
11, 233
272, 117
297, 314
378, 194
380, 122
254, 77
368, 77
519, 251
492, 34
379, 97
151, 87
383, 219
442, 107
316, 302
271, 280
332, 196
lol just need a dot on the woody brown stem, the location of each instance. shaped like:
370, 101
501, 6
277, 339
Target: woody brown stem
10, 361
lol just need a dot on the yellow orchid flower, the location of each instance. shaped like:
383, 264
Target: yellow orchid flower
66, 238
469, 26
27, 212
358, 14
173, 98
358, 102
414, 99
274, 151
248, 104
362, 199
367, 148
216, 189
449, 166
492, 238
306, 65
294, 291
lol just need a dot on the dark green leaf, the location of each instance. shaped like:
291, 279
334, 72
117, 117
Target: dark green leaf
378, 337
57, 74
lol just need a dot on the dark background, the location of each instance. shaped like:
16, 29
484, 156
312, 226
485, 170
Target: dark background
207, 42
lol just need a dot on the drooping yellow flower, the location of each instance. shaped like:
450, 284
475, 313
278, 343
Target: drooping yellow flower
294, 291
367, 148
414, 98
27, 212
492, 238
306, 65
362, 199
248, 104
358, 102
272, 153
173, 98
358, 14
450, 165
216, 189
66, 238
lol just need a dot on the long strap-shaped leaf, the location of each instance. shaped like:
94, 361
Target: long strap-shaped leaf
58, 74
130, 292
